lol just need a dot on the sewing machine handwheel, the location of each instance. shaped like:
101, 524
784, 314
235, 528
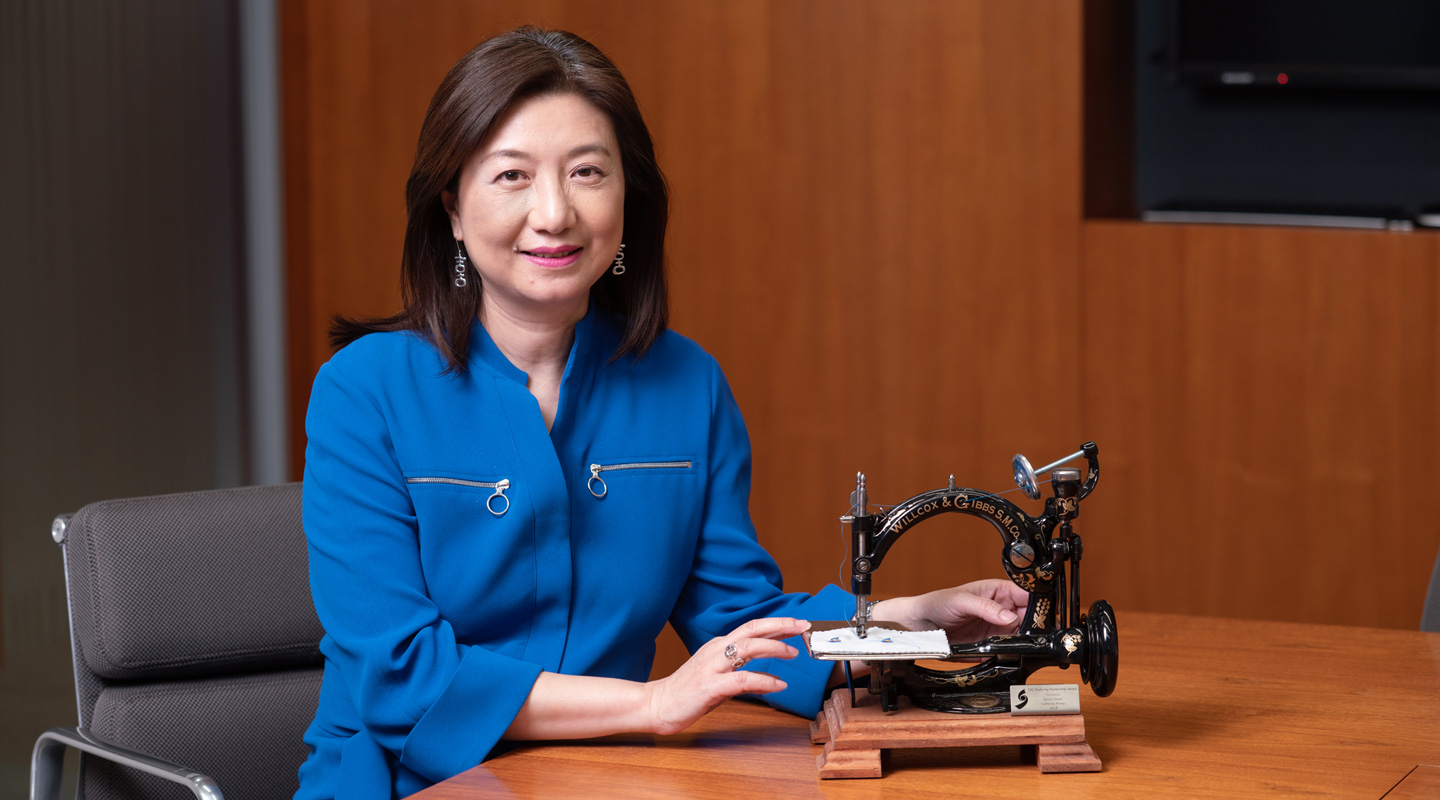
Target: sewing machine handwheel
1102, 649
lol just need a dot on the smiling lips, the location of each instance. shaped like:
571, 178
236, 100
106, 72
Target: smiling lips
553, 257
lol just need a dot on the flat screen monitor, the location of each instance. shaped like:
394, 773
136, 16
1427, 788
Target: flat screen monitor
1280, 44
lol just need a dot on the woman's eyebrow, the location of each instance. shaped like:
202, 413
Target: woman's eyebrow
589, 148
504, 154
520, 154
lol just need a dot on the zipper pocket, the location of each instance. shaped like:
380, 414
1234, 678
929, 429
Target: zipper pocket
499, 486
596, 469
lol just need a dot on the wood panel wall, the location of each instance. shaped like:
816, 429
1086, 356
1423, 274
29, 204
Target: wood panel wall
878, 229
1269, 396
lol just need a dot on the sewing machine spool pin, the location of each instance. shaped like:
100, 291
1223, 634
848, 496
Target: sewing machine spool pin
1027, 478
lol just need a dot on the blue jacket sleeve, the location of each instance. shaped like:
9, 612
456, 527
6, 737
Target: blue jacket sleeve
733, 579
438, 705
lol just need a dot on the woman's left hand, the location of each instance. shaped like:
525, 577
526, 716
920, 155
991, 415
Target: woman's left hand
967, 613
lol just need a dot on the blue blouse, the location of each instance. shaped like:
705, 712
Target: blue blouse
457, 548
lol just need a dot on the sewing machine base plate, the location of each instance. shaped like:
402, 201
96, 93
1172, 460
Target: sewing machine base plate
854, 737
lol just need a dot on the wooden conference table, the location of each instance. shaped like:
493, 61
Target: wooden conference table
1203, 708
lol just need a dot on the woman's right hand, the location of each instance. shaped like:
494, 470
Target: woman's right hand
709, 677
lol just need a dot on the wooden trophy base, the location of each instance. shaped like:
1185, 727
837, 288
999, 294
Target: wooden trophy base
854, 737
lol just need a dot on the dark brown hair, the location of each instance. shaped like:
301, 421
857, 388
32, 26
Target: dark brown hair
478, 90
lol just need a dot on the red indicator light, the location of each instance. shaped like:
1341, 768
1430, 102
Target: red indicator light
1282, 79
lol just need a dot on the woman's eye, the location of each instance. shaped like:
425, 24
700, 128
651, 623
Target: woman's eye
588, 172
511, 175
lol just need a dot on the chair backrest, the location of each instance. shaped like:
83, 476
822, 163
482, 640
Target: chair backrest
195, 638
1430, 614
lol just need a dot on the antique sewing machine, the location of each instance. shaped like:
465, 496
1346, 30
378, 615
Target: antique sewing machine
1040, 554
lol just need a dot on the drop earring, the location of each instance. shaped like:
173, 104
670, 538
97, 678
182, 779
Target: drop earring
459, 265
619, 266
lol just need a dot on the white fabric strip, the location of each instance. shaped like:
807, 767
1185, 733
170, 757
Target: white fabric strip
880, 641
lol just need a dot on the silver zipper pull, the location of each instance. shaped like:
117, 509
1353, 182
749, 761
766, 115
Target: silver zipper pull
594, 479
500, 493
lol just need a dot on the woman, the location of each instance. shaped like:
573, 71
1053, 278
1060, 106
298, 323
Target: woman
514, 483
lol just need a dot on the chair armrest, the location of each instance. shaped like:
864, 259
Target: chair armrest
48, 759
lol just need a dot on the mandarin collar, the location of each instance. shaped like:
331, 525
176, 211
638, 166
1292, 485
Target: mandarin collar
484, 353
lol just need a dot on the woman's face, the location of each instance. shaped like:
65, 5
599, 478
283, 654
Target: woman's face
541, 207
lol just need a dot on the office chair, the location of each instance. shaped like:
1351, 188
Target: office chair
1430, 614
195, 645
